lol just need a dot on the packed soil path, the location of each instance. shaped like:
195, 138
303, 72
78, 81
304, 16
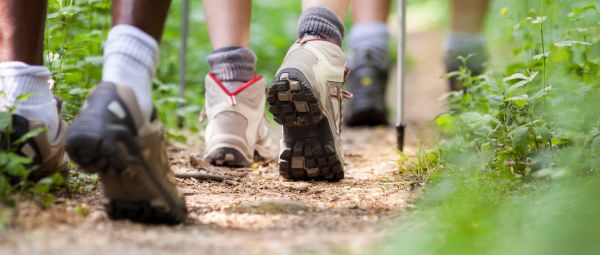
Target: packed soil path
257, 212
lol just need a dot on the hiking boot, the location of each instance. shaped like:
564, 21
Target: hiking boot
305, 98
236, 131
111, 137
367, 81
48, 155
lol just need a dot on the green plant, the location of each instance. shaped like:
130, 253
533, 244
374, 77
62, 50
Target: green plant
15, 168
521, 153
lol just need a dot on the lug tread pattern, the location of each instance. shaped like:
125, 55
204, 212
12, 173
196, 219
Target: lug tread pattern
309, 146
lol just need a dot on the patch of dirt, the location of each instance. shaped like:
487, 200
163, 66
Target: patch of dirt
258, 212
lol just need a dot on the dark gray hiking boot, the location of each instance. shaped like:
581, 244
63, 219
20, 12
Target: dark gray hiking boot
367, 81
111, 137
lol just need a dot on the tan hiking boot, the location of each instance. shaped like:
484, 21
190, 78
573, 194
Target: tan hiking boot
306, 99
111, 137
237, 129
48, 155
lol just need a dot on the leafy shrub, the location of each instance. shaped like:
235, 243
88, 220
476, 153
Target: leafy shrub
521, 156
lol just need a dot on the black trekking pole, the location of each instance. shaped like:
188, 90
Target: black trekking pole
400, 118
185, 19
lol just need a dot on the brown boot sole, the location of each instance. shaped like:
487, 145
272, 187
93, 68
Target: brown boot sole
309, 145
112, 152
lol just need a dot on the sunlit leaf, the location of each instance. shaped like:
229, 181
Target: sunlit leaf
537, 20
520, 100
571, 43
541, 55
30, 134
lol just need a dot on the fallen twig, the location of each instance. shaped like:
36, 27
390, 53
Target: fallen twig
204, 176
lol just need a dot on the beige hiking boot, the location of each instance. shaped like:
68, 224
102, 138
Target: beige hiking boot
111, 137
306, 99
237, 130
48, 155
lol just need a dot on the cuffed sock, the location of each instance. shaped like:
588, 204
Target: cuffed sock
18, 79
459, 44
233, 66
130, 59
369, 38
322, 23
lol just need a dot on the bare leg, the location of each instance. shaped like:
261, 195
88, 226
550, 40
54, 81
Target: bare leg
339, 7
147, 15
228, 22
22, 31
468, 15
370, 10
232, 66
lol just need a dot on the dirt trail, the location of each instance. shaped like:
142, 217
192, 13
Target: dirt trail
259, 213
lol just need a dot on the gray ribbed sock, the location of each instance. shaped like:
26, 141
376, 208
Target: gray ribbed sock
371, 37
233, 66
322, 23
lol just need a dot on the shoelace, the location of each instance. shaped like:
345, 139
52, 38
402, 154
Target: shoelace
203, 115
341, 94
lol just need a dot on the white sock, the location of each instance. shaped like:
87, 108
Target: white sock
18, 78
130, 59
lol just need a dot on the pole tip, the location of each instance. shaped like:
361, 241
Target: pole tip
400, 136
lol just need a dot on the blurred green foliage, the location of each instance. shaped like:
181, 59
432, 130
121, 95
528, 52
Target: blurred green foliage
518, 172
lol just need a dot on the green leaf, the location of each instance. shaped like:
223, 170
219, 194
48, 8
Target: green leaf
577, 11
523, 80
543, 132
542, 92
541, 55
520, 139
570, 43
30, 134
537, 20
5, 120
43, 185
520, 100
446, 122
516, 76
57, 179
470, 117
23, 97
555, 141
